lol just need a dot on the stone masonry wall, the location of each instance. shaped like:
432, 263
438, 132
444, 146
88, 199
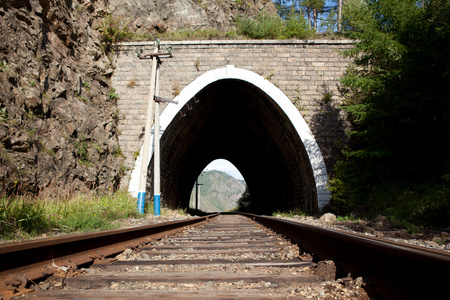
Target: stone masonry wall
307, 72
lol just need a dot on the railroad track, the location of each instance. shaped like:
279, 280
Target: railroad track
233, 257
22, 265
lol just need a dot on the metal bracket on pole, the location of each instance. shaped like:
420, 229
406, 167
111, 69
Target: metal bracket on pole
157, 55
151, 55
164, 100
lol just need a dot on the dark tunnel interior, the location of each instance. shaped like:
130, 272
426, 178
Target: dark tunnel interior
236, 121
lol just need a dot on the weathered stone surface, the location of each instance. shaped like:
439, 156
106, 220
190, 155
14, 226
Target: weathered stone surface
378, 222
328, 218
145, 16
57, 123
326, 269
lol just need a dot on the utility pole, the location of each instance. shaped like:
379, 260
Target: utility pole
153, 96
196, 194
156, 155
148, 126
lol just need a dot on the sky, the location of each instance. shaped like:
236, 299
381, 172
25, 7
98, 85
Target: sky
224, 166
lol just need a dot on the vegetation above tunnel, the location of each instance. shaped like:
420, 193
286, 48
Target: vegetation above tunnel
279, 19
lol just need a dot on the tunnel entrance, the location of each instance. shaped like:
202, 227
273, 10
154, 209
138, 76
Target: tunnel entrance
236, 115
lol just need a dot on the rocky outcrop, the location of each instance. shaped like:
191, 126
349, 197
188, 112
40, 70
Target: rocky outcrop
145, 16
58, 118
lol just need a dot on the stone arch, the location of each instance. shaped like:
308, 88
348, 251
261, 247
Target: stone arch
314, 162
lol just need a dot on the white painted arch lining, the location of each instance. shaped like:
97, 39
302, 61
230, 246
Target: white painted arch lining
230, 72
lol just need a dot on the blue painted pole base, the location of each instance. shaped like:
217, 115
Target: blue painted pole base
141, 202
157, 203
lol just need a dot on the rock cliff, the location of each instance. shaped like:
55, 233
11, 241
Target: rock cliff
147, 15
58, 119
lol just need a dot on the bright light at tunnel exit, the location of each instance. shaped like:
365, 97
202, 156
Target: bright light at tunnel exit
224, 166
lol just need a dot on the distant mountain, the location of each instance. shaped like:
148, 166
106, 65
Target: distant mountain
218, 191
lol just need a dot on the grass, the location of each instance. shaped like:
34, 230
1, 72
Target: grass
198, 34
290, 214
22, 217
348, 218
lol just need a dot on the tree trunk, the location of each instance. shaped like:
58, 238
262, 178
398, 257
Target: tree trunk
315, 19
308, 12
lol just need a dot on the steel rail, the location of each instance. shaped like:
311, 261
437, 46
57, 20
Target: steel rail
390, 269
34, 260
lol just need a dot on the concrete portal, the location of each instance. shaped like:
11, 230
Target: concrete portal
237, 115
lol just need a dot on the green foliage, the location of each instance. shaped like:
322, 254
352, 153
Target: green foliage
112, 94
23, 218
290, 214
397, 99
347, 218
263, 26
136, 154
21, 215
113, 30
295, 26
329, 24
3, 114
283, 7
198, 34
98, 148
420, 204
244, 202
81, 150
3, 67
311, 10
118, 152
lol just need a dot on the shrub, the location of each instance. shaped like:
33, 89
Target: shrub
244, 203
113, 30
264, 26
296, 26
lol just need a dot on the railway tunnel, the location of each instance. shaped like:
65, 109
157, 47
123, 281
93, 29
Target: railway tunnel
236, 115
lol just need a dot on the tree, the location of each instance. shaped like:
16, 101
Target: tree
244, 203
283, 7
339, 14
311, 9
397, 99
